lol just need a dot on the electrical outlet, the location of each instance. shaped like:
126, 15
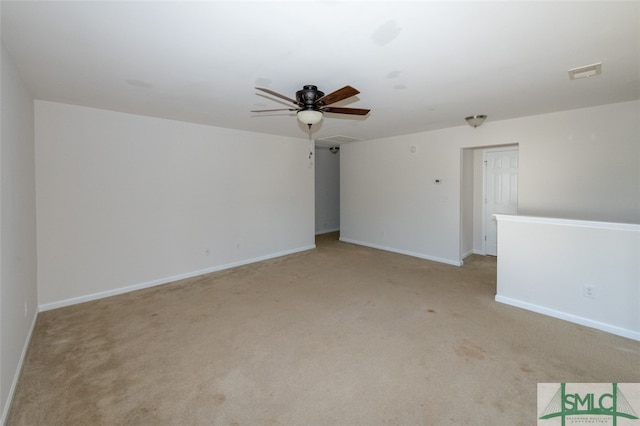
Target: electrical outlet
589, 291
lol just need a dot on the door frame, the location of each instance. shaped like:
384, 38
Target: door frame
485, 225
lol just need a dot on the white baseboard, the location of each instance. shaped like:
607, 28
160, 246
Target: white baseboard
467, 254
16, 376
166, 280
609, 328
406, 252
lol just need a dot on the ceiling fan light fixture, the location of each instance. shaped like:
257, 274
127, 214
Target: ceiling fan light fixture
309, 116
475, 120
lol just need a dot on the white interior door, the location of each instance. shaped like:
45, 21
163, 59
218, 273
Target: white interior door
501, 192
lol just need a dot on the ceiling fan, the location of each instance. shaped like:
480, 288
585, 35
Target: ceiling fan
310, 103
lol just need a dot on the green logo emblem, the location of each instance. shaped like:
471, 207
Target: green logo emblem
588, 404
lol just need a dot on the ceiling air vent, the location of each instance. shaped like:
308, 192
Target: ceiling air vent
335, 140
586, 71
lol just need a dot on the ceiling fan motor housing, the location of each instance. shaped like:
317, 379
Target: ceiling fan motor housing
308, 96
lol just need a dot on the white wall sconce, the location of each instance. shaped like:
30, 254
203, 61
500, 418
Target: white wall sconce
475, 120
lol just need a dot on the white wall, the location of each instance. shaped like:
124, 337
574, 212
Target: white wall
18, 280
468, 193
478, 201
544, 265
327, 188
126, 201
579, 164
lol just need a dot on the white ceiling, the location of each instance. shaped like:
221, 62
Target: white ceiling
419, 65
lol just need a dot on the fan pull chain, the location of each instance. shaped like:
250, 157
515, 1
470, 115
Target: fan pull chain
310, 147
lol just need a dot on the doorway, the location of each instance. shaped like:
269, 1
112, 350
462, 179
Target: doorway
327, 189
478, 228
500, 192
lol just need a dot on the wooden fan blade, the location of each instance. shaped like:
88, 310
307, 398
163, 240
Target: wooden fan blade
353, 111
338, 95
278, 95
279, 109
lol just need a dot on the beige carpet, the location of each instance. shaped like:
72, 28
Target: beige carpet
340, 335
